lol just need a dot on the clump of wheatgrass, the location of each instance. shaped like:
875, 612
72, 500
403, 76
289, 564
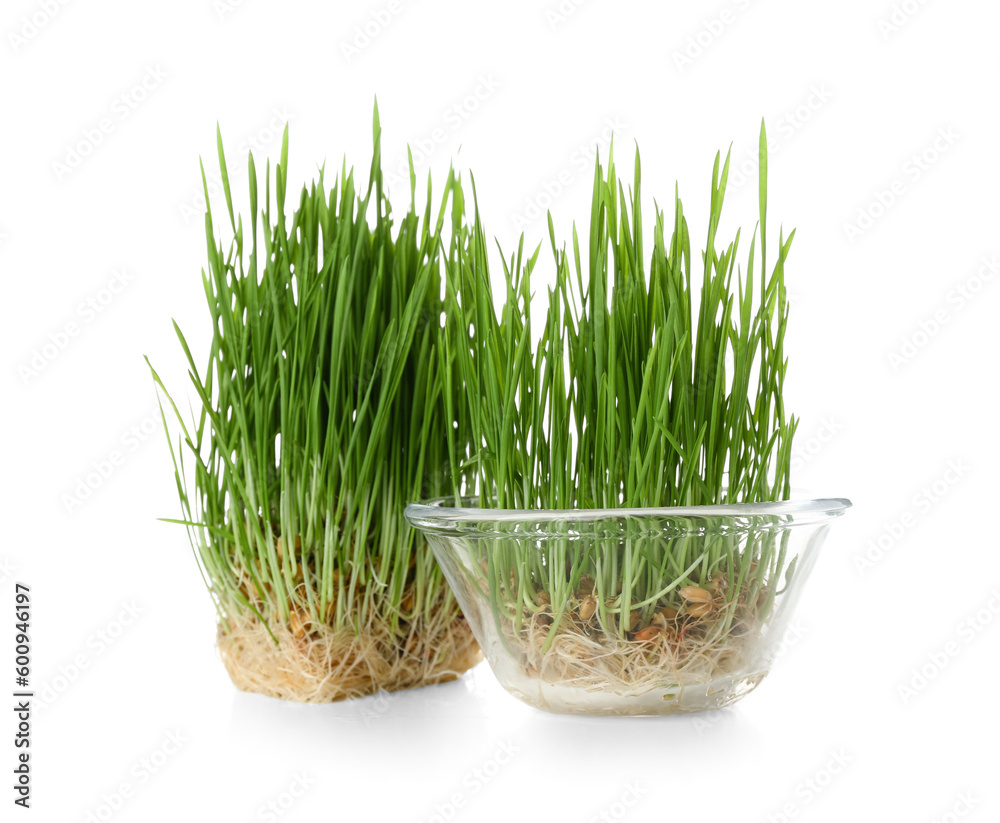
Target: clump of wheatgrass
325, 406
641, 388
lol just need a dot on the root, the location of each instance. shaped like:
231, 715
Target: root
693, 647
328, 664
627, 667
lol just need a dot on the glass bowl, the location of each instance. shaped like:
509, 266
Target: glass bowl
628, 611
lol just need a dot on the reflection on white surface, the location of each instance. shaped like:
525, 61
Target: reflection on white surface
474, 705
466, 749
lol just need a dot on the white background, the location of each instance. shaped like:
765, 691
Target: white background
854, 103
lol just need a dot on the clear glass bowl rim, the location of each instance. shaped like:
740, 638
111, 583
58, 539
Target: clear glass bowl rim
436, 515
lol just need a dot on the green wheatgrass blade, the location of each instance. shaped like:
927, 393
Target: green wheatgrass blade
644, 389
326, 406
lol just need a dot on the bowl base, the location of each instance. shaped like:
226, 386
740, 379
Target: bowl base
671, 699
